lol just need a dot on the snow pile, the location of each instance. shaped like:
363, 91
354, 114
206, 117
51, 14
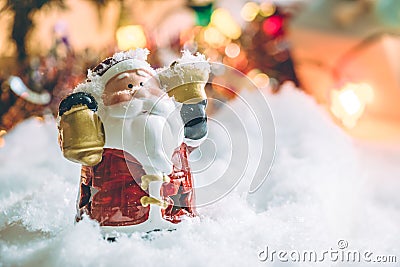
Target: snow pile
196, 62
323, 187
186, 70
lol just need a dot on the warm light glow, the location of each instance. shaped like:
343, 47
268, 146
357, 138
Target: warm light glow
2, 142
261, 80
249, 11
131, 37
41, 119
348, 103
232, 50
220, 86
212, 54
225, 23
267, 9
252, 73
214, 37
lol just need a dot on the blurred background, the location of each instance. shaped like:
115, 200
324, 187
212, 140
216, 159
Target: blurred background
344, 53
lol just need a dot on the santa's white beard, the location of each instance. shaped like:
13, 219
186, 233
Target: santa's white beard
149, 129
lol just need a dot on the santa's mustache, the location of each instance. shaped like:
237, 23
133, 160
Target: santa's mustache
159, 106
130, 92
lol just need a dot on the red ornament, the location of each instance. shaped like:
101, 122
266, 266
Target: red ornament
272, 25
116, 201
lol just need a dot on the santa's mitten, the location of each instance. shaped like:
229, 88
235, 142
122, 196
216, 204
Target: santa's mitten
81, 132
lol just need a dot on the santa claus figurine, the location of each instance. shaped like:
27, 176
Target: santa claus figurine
132, 129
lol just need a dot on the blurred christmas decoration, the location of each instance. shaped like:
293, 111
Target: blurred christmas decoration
19, 102
265, 43
20, 89
254, 44
23, 11
2, 133
352, 44
129, 35
42, 82
203, 10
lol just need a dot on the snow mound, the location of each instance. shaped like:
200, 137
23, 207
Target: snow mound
323, 187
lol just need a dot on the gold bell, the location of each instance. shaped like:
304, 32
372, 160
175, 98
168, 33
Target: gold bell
186, 82
81, 135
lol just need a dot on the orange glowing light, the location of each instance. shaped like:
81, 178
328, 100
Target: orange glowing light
348, 104
2, 142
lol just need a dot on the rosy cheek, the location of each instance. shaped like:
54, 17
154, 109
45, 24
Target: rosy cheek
121, 98
111, 96
115, 99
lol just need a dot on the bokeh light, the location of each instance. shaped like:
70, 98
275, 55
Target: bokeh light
272, 25
214, 37
131, 37
348, 103
249, 11
267, 9
232, 50
225, 23
2, 133
261, 80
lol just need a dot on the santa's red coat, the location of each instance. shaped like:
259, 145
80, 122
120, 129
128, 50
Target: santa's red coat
110, 191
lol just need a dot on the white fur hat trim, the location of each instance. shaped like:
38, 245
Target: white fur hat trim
126, 65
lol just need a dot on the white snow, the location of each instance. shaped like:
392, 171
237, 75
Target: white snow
324, 186
187, 57
185, 67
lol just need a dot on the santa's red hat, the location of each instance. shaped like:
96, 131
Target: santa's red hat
120, 62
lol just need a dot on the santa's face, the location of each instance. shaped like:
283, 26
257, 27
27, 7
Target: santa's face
135, 83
